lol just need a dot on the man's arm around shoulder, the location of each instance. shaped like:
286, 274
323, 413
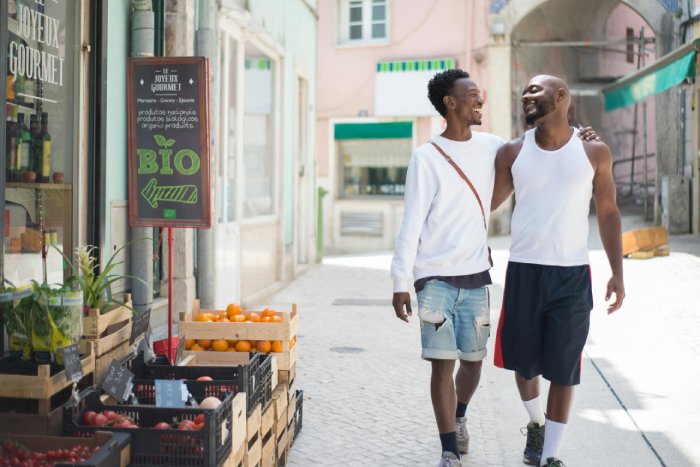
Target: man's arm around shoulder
505, 157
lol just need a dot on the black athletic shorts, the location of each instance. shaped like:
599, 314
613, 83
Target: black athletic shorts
544, 321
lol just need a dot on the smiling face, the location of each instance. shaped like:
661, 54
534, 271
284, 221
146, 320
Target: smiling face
539, 99
465, 101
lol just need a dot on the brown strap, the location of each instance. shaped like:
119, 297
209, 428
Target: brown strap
464, 177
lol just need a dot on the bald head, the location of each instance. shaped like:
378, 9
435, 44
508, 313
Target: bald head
555, 85
545, 95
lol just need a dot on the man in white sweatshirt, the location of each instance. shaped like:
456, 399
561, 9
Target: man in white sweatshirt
442, 245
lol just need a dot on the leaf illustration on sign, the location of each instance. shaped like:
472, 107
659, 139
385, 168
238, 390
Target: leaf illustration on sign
153, 193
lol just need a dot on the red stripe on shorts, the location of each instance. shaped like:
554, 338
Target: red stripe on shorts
498, 354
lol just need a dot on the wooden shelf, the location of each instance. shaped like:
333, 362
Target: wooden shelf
39, 186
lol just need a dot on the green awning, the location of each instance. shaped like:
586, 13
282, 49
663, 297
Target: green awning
373, 130
668, 71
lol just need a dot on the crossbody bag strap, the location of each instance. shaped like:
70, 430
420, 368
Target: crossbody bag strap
464, 177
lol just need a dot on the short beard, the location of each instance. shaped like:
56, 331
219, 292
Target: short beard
541, 110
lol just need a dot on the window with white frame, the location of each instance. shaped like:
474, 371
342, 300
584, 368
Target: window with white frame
364, 21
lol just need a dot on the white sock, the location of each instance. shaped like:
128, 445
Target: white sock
553, 437
534, 410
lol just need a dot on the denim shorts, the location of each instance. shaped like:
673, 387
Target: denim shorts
466, 329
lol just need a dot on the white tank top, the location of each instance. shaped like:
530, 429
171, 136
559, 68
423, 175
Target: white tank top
552, 200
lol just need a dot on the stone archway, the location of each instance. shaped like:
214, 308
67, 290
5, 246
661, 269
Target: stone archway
564, 19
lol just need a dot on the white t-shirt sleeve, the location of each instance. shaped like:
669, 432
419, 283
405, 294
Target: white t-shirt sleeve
421, 187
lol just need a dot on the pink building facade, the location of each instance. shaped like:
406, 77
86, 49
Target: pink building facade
376, 56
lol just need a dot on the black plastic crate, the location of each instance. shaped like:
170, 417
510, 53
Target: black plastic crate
253, 378
145, 389
298, 412
209, 446
261, 376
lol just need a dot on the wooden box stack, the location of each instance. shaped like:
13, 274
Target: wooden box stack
109, 333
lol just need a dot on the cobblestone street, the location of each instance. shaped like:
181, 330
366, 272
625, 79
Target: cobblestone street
366, 390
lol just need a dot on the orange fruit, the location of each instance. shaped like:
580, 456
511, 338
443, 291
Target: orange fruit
221, 315
231, 342
277, 346
268, 312
277, 319
264, 346
197, 347
266, 319
204, 317
220, 345
243, 346
224, 320
231, 349
238, 318
205, 343
233, 309
189, 343
254, 317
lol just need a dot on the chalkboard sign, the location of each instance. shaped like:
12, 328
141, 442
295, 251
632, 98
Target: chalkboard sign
179, 349
168, 126
118, 381
71, 363
170, 393
140, 325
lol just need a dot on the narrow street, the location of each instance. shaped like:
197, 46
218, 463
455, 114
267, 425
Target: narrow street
366, 398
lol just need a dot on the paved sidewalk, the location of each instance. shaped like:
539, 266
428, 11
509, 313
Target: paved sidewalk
366, 391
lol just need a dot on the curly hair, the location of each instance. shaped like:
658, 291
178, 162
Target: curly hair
441, 84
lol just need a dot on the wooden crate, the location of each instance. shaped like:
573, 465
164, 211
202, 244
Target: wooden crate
253, 425
288, 375
103, 362
282, 331
269, 450
236, 458
253, 455
95, 324
239, 426
32, 424
43, 385
282, 448
643, 239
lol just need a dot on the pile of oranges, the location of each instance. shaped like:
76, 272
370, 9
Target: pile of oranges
234, 314
227, 345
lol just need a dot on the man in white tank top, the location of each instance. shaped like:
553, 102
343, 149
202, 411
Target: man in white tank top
547, 298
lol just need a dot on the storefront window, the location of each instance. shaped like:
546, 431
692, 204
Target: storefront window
39, 146
258, 155
374, 167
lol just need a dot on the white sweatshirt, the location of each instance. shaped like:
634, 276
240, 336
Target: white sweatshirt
443, 233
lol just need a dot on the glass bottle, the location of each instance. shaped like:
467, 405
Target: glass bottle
11, 144
43, 153
34, 145
24, 146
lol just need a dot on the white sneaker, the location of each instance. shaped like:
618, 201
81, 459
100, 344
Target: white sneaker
462, 435
449, 460
431, 316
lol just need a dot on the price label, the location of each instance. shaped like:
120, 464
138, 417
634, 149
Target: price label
118, 382
71, 363
170, 393
179, 349
140, 325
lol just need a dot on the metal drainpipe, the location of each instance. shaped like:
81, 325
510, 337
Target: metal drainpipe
141, 252
206, 45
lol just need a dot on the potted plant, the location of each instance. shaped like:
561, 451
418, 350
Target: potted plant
97, 288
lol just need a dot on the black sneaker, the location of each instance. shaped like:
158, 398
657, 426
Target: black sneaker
554, 462
533, 445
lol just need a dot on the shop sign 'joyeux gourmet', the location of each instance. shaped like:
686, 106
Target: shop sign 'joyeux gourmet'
168, 111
